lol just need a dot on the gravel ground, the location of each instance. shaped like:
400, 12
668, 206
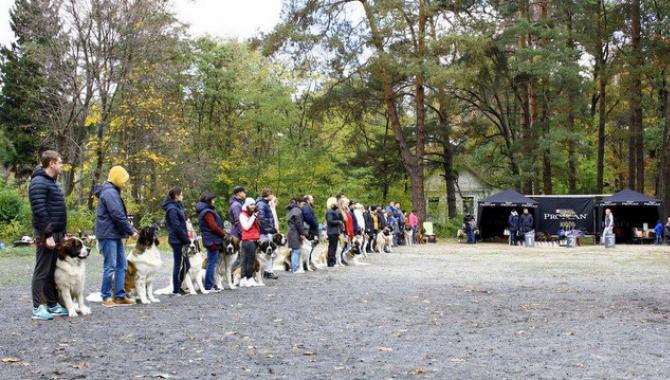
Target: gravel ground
431, 311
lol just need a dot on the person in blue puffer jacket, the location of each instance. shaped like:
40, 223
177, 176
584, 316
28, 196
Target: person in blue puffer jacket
175, 222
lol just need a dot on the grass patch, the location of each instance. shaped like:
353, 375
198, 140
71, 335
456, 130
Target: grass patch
18, 251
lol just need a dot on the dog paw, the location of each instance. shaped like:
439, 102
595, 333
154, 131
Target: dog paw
155, 300
192, 292
72, 313
85, 310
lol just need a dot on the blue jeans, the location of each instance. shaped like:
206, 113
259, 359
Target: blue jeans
212, 258
659, 239
114, 264
295, 259
181, 266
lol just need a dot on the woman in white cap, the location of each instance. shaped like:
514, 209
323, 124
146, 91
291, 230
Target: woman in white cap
251, 232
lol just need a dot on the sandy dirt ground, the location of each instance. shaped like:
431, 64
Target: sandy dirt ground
432, 311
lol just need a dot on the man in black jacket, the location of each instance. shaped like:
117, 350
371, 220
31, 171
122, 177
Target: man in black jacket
49, 214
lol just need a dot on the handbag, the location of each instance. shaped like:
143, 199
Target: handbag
506, 232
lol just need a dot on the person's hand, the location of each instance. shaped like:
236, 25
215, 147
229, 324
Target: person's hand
51, 243
135, 235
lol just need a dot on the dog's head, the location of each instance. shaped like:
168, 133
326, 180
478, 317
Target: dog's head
192, 249
279, 239
386, 231
357, 244
148, 237
267, 247
231, 244
72, 247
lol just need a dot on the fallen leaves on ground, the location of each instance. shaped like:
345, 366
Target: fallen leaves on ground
385, 349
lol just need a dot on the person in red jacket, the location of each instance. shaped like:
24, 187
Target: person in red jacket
251, 233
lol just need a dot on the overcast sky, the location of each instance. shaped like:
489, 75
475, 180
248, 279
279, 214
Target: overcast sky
222, 18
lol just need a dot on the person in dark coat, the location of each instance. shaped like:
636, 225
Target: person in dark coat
369, 229
236, 201
513, 226
111, 226
526, 222
212, 233
381, 218
310, 219
666, 232
175, 223
468, 228
296, 232
49, 214
265, 205
334, 226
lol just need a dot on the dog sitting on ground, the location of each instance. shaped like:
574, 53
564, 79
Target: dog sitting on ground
384, 240
194, 274
265, 252
460, 235
307, 256
70, 275
143, 264
228, 261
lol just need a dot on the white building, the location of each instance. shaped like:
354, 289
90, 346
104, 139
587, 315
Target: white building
470, 189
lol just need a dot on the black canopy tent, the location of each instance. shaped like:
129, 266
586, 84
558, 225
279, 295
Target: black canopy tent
494, 211
631, 210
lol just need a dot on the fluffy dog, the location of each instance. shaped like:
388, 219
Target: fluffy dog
227, 262
70, 275
384, 240
408, 235
266, 251
143, 263
194, 275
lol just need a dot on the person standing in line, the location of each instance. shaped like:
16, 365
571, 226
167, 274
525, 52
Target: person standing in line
369, 229
609, 224
413, 222
111, 226
667, 232
513, 227
526, 223
236, 202
175, 222
211, 230
658, 231
251, 232
334, 226
360, 222
310, 219
266, 220
49, 219
401, 223
296, 232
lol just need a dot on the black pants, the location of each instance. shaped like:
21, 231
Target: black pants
180, 268
43, 276
333, 240
371, 241
248, 257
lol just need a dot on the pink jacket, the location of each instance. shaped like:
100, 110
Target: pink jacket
413, 220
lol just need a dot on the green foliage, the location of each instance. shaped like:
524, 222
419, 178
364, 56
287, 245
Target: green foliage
80, 220
10, 205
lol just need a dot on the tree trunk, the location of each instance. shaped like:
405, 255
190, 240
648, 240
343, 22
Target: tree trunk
572, 157
602, 119
100, 157
449, 177
637, 148
665, 183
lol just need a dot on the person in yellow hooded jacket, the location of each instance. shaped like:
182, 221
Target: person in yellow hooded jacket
111, 226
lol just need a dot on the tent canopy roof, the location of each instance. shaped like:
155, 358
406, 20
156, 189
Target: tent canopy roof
508, 198
629, 197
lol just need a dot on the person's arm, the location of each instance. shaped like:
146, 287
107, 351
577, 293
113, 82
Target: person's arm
179, 225
38, 194
114, 206
247, 221
213, 226
236, 210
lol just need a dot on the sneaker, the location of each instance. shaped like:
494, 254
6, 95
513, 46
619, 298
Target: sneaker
125, 301
58, 310
251, 282
40, 313
243, 283
215, 289
108, 302
270, 275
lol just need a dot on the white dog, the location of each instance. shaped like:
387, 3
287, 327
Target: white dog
70, 275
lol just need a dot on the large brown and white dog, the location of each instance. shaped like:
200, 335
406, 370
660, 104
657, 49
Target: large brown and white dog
194, 275
143, 263
309, 257
384, 240
408, 235
228, 259
266, 251
70, 275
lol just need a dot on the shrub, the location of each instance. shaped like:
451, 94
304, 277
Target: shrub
80, 219
9, 232
10, 205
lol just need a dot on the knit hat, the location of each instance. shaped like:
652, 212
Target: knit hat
118, 176
248, 202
